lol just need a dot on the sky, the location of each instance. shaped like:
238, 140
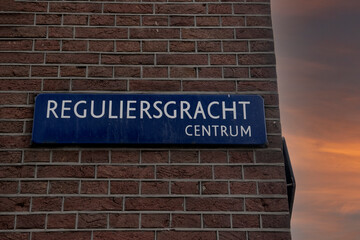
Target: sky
317, 47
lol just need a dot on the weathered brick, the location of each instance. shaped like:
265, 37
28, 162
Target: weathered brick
127, 20
154, 46
125, 156
11, 127
154, 204
246, 221
207, 21
7, 187
10, 156
254, 33
124, 220
233, 21
210, 72
214, 204
124, 187
155, 72
22, 32
272, 188
154, 33
101, 46
47, 45
182, 72
75, 7
33, 187
72, 58
6, 57
209, 46
127, 46
64, 187
155, 220
235, 46
124, 235
241, 156
6, 222
220, 8
251, 8
275, 221
61, 235
93, 204
181, 21
153, 85
266, 204
48, 19
46, 204
155, 20
154, 187
65, 156
35, 221
180, 8
228, 172
263, 21
146, 172
261, 46
15, 45
263, 72
178, 235
75, 19
214, 188
217, 221
14, 141
186, 221
177, 46
232, 235
214, 86
264, 172
185, 188
104, 85
17, 171
101, 33
44, 71
71, 45
56, 85
93, 156
128, 8
126, 59
13, 6
65, 171
61, 221
243, 188
182, 59
60, 32
14, 204
183, 172
92, 221
17, 18
94, 187
102, 20
223, 59
269, 235
207, 33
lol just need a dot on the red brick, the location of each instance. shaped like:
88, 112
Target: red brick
209, 46
60, 32
46, 204
264, 172
213, 156
214, 188
182, 72
246, 221
44, 71
181, 21
61, 235
263, 72
177, 46
6, 57
185, 188
15, 141
11, 5
220, 8
262, 46
251, 8
123, 72
127, 59
147, 85
155, 220
154, 46
264, 21
223, 59
128, 20
47, 45
102, 20
16, 112
36, 221
64, 187
62, 221
275, 221
20, 85
17, 171
128, 46
75, 7
184, 157
124, 187
207, 21
273, 126
23, 32
8, 187
233, 21
217, 221
154, 204
214, 86
101, 46
241, 156
269, 235
104, 85
182, 59
272, 112
228, 172
70, 45
14, 45
178, 235
94, 187
11, 127
33, 187
243, 188
95, 156
124, 235
17, 18
155, 20
207, 33
136, 172
48, 19
154, 188
272, 188
56, 85
101, 33
10, 157
92, 221
92, 204
125, 156
155, 72
124, 220
235, 46
256, 59
14, 204
75, 19
128, 8
210, 72
180, 9
67, 58
186, 221
65, 171
236, 72
257, 86
266, 204
275, 141
7, 222
254, 33
154, 33
182, 172
232, 235
65, 156
214, 204
37, 156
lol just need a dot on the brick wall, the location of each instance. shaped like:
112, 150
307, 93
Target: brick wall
103, 46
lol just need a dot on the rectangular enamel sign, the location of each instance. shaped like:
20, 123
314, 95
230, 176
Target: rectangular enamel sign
149, 119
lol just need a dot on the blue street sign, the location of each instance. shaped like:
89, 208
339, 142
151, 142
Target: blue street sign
149, 119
